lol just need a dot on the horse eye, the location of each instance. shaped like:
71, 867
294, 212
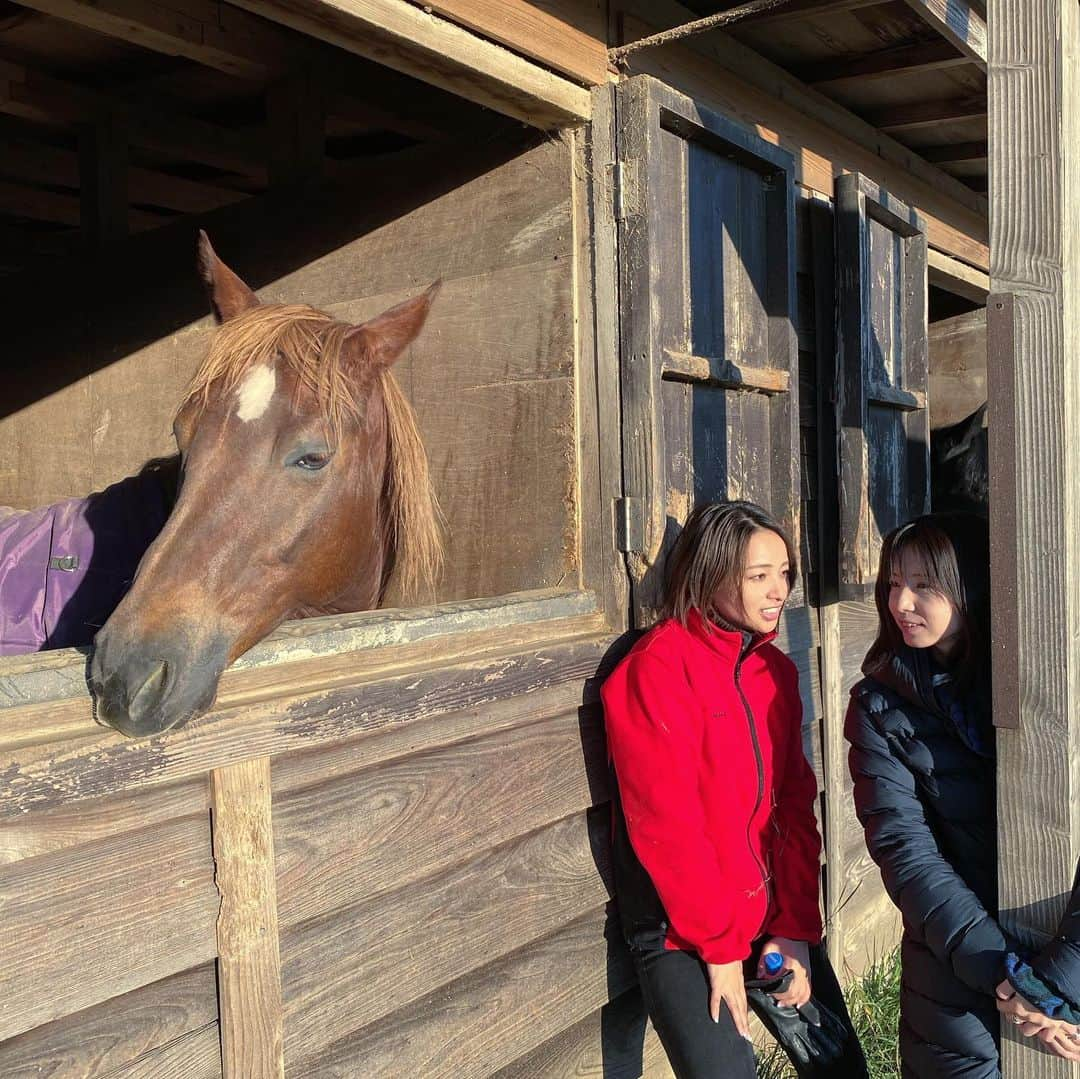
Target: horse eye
312, 462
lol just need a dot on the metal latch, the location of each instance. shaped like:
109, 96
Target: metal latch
629, 524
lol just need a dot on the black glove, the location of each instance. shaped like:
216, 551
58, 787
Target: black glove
813, 1037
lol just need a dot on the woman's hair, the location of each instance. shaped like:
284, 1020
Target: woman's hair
954, 549
709, 556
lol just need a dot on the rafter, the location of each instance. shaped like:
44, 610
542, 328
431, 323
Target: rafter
956, 153
901, 59
36, 163
215, 34
958, 23
927, 114
798, 9
37, 204
32, 96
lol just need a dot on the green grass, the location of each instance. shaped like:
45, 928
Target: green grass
874, 1005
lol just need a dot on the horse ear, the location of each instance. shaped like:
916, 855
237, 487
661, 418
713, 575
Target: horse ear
229, 296
382, 340
968, 431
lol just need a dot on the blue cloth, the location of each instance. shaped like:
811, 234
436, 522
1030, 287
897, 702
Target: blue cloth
1033, 989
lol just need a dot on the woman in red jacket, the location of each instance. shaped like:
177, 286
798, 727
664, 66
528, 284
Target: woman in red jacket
716, 845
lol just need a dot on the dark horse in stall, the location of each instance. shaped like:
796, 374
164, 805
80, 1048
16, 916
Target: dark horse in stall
959, 465
303, 487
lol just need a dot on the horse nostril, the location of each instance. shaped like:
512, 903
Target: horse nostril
148, 696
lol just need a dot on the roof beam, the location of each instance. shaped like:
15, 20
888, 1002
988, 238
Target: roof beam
437, 51
215, 34
956, 277
927, 114
900, 60
798, 9
958, 23
32, 96
18, 200
957, 153
39, 164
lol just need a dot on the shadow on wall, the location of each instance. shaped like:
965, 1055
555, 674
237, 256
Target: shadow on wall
72, 318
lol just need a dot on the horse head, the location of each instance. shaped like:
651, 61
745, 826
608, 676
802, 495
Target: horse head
960, 465
304, 484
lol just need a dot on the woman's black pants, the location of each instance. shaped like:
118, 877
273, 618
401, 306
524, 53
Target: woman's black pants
675, 987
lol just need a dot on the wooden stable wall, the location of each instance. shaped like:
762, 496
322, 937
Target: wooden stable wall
437, 807
491, 377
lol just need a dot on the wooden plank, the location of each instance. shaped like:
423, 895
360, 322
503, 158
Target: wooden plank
562, 35
42, 98
213, 34
885, 63
103, 919
40, 777
437, 51
825, 138
41, 164
35, 834
614, 1042
1034, 426
724, 373
477, 1025
429, 933
341, 842
121, 1032
599, 405
906, 400
958, 364
955, 277
920, 114
195, 1055
53, 704
37, 204
103, 193
296, 128
958, 23
801, 9
956, 153
249, 963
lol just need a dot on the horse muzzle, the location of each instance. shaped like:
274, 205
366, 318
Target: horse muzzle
145, 687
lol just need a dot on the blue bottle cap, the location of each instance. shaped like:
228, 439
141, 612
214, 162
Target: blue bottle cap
774, 963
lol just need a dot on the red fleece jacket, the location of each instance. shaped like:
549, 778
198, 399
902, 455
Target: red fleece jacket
705, 733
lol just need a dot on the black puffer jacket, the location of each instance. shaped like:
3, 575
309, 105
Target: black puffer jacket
925, 794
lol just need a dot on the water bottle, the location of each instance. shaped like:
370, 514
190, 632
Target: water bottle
774, 963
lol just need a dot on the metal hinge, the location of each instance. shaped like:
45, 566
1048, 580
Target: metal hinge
629, 524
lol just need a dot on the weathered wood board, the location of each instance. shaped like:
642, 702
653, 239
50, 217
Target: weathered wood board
491, 377
957, 367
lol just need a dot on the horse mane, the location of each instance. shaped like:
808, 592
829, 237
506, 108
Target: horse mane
310, 343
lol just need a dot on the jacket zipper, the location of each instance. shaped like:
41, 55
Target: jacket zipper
761, 783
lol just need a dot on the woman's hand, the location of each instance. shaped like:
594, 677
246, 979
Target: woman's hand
796, 955
726, 984
1060, 1038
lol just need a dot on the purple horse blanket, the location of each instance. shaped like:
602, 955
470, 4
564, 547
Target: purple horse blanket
65, 567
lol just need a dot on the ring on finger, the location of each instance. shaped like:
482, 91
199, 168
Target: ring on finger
1016, 1020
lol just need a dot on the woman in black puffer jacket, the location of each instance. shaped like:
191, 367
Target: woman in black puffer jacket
922, 760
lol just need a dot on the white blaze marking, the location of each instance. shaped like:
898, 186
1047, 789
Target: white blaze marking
255, 391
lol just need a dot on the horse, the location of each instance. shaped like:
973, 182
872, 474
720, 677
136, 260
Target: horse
303, 489
959, 465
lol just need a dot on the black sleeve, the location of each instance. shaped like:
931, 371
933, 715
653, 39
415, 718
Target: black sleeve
1058, 964
920, 881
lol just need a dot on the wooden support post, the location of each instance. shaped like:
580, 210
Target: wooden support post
103, 187
296, 129
249, 963
1034, 382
